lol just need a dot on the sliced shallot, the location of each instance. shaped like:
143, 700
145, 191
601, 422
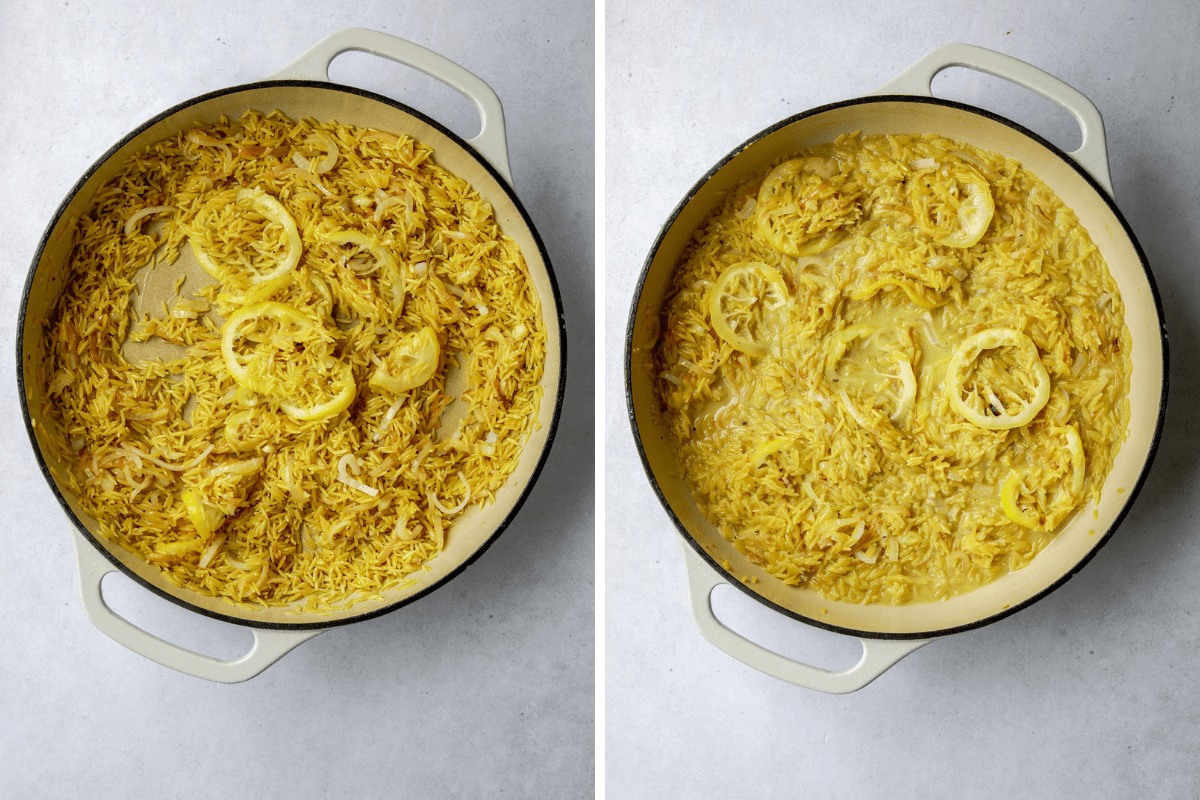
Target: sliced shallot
466, 498
348, 461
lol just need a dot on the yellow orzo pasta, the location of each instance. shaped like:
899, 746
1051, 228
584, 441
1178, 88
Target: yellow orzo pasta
893, 366
299, 443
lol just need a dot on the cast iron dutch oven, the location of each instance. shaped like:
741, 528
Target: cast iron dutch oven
1081, 179
300, 90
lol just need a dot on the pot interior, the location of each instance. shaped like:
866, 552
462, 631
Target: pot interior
1081, 535
475, 529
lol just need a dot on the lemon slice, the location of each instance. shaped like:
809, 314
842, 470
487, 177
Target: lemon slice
799, 210
1078, 464
409, 364
383, 255
989, 411
274, 349
344, 391
206, 518
953, 204
1009, 494
908, 388
271, 326
742, 304
273, 211
1068, 495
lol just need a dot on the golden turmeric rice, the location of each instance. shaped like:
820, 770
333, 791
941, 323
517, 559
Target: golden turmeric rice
893, 367
299, 444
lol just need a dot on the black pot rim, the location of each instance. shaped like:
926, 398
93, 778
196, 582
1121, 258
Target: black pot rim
309, 621
1132, 493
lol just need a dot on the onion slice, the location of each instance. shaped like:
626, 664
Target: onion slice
211, 550
348, 461
381, 252
389, 416
448, 511
131, 224
308, 176
130, 450
329, 159
383, 202
863, 557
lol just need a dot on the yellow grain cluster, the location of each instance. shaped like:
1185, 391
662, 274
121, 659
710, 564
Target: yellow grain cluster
950, 335
291, 494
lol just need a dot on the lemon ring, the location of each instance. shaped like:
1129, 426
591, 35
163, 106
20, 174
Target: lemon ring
781, 220
274, 211
409, 364
1010, 490
341, 401
204, 517
240, 367
953, 217
965, 355
742, 327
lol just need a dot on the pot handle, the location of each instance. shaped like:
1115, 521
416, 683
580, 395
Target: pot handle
269, 645
492, 143
878, 654
1092, 154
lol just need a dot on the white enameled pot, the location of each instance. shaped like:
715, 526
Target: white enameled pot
300, 90
1081, 179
